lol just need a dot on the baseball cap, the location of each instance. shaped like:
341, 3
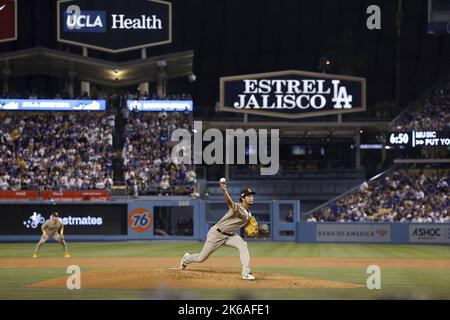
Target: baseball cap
246, 192
55, 214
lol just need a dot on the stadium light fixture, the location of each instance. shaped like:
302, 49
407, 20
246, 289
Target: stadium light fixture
161, 63
192, 77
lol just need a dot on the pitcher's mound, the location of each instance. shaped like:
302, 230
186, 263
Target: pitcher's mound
191, 278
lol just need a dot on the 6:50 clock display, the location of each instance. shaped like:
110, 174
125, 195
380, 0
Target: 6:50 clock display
401, 138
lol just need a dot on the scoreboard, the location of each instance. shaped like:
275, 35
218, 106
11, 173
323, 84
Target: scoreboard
416, 138
438, 17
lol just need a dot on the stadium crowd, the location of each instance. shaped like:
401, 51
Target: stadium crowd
147, 164
56, 151
66, 151
412, 195
433, 114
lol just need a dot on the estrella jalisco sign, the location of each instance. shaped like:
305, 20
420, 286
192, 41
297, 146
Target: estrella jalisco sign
114, 25
292, 94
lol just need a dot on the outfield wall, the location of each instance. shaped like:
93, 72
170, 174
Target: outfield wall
373, 232
188, 219
159, 219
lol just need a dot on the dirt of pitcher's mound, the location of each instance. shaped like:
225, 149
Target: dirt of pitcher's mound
222, 262
204, 278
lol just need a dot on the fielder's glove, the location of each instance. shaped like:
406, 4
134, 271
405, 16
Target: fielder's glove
251, 228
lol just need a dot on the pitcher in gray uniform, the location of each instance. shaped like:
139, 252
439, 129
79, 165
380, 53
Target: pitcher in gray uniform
224, 232
52, 228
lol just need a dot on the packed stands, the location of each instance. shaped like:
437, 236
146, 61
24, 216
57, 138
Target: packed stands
146, 154
404, 195
56, 151
75, 151
432, 114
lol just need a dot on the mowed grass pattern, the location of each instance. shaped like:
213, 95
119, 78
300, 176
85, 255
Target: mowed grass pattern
396, 282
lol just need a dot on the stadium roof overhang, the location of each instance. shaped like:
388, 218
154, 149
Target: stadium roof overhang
61, 64
296, 129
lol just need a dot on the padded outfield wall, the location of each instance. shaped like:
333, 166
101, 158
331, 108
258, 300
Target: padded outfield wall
373, 232
162, 219
187, 219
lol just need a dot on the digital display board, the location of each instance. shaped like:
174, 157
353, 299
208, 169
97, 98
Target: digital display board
51, 105
160, 105
414, 139
78, 219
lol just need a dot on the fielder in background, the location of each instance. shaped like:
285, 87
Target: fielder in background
224, 231
53, 228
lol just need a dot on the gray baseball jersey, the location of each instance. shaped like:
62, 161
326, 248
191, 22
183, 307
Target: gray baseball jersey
236, 217
51, 228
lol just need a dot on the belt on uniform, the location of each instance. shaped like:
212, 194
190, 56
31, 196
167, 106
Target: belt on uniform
225, 233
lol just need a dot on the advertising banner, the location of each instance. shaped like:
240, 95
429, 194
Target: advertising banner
338, 232
140, 222
114, 25
18, 195
78, 219
76, 195
160, 105
51, 105
429, 233
292, 94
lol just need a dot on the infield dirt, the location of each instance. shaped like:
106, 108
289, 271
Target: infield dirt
219, 272
205, 278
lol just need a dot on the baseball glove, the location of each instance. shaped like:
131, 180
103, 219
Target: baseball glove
251, 228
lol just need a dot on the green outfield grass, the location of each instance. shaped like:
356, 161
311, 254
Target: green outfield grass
406, 282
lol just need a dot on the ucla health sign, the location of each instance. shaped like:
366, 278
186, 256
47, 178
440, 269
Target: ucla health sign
51, 105
114, 25
293, 94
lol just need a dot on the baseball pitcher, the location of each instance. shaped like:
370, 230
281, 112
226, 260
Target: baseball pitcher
52, 228
224, 232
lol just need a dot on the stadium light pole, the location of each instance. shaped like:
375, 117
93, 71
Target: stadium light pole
144, 87
398, 56
85, 85
6, 76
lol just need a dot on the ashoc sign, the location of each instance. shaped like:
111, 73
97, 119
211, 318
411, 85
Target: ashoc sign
292, 94
429, 233
114, 25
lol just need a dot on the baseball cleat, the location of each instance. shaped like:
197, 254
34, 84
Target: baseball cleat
183, 265
66, 255
248, 276
35, 255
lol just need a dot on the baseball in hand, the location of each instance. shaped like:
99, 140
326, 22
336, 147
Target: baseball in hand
222, 180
